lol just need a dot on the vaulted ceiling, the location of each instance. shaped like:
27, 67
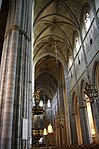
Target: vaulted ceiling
55, 22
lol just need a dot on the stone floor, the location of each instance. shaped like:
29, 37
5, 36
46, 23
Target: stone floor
71, 147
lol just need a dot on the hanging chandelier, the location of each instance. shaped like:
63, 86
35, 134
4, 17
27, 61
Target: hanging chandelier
37, 110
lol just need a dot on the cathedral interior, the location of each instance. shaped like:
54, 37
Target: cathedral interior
49, 74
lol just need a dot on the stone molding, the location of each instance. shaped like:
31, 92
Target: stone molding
17, 28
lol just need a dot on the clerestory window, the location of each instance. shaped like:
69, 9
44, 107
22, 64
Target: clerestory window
41, 103
87, 21
48, 104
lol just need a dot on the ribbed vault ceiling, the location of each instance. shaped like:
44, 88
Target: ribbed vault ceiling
55, 22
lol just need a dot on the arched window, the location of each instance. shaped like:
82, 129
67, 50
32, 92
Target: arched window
87, 21
48, 104
86, 18
41, 103
70, 61
76, 44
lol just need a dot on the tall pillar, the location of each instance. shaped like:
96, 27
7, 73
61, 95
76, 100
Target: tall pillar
16, 77
3, 75
9, 95
7, 115
30, 98
69, 110
84, 126
79, 100
63, 128
30, 19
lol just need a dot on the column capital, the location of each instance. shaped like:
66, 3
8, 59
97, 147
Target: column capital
19, 29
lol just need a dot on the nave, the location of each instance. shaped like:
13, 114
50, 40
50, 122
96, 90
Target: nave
49, 74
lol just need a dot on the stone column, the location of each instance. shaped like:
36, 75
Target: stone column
9, 96
3, 75
63, 129
27, 106
16, 105
29, 33
69, 103
23, 68
17, 122
16, 74
59, 136
57, 129
4, 63
30, 97
84, 126
7, 115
